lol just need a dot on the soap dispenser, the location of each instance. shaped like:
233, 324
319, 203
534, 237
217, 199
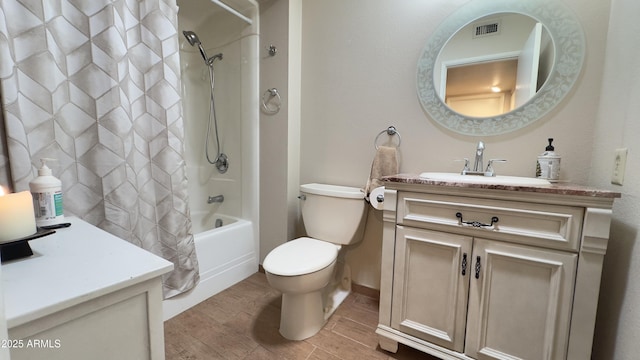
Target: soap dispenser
548, 165
46, 190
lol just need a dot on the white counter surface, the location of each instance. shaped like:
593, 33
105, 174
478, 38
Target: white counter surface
74, 265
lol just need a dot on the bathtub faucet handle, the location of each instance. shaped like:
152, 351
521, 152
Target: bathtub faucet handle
215, 199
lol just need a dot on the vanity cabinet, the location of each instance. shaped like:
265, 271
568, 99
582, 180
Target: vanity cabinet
481, 273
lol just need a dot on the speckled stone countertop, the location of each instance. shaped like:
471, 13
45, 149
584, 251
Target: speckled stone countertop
555, 188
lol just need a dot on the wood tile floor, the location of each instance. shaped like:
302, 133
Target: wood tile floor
242, 322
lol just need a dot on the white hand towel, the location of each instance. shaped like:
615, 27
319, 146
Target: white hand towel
385, 162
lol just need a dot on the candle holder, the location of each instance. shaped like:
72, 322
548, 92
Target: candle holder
19, 248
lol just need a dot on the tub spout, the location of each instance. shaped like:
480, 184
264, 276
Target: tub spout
215, 199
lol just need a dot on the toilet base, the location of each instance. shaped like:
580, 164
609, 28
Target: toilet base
302, 315
305, 311
333, 301
338, 289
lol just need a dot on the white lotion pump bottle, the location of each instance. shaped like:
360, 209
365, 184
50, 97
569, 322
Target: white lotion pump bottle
46, 190
548, 166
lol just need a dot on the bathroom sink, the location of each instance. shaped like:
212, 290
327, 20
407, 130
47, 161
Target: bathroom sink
490, 180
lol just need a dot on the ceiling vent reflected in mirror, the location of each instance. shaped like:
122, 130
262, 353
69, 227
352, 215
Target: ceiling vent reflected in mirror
486, 29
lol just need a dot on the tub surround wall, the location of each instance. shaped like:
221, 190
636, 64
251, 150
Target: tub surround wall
236, 84
220, 32
230, 253
237, 109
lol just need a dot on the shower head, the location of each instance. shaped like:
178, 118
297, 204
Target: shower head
193, 40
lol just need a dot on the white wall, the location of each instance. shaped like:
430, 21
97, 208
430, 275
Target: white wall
279, 133
359, 61
618, 126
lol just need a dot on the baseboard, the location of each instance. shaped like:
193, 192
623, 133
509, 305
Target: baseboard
365, 290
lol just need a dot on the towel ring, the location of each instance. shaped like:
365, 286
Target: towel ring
391, 130
266, 99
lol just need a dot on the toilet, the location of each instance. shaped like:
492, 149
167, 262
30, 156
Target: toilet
310, 271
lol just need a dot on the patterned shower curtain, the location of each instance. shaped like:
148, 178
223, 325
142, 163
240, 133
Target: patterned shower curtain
95, 84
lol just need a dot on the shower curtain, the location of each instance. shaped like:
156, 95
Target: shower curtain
95, 84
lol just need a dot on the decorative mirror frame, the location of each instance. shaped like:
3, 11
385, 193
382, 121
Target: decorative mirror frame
569, 44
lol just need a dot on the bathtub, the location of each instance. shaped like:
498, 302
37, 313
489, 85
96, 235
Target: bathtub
218, 269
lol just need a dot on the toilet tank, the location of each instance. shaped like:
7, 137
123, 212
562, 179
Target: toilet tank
333, 213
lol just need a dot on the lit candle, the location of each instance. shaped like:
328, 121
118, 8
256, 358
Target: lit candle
17, 219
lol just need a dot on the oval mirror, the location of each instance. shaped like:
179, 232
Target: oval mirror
495, 67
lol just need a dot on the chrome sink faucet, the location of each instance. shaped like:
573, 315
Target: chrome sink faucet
477, 166
478, 163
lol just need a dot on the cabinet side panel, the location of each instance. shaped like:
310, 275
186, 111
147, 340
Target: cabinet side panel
388, 246
595, 239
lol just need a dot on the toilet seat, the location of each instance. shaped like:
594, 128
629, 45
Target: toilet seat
300, 256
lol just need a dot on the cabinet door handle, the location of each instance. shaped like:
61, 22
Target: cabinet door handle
478, 266
478, 224
464, 264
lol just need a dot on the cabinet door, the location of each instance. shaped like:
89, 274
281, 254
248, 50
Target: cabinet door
431, 284
519, 302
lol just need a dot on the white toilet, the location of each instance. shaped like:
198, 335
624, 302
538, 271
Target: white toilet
307, 271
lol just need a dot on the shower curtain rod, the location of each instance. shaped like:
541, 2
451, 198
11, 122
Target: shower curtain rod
233, 11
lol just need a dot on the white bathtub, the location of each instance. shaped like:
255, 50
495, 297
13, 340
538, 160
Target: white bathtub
226, 255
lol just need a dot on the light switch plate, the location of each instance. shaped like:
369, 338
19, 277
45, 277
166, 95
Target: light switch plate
619, 163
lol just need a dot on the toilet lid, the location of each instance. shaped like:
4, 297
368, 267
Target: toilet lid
300, 256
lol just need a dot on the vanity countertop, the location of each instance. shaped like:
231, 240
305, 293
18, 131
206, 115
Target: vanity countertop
560, 188
71, 266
